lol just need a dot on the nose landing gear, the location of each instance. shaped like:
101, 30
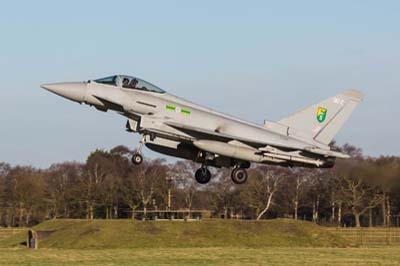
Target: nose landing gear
137, 157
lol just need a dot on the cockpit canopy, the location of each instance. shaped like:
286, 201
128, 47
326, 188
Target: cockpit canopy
129, 82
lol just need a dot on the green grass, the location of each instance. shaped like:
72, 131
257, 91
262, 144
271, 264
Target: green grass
208, 242
7, 232
117, 234
203, 256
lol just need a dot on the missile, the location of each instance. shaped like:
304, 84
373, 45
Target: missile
327, 153
247, 153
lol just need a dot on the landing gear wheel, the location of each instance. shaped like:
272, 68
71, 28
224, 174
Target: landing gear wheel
239, 176
137, 159
202, 175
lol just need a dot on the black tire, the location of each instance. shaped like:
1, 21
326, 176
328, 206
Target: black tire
202, 175
239, 176
137, 159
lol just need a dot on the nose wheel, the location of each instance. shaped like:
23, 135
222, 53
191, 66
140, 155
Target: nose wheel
137, 159
239, 176
202, 175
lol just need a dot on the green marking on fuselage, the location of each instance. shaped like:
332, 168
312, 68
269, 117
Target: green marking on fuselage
186, 112
177, 109
170, 107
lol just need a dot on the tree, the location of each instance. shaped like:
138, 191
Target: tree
108, 183
318, 188
335, 199
94, 173
223, 193
4, 170
297, 190
149, 180
61, 181
357, 193
258, 192
384, 173
182, 173
25, 189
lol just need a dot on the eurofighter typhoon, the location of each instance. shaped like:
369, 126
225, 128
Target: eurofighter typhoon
173, 126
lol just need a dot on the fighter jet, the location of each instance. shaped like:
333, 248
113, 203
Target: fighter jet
173, 126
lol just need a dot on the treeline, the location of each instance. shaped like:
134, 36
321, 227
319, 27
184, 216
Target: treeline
361, 191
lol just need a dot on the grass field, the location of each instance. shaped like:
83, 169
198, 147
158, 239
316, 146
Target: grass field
100, 234
203, 256
208, 242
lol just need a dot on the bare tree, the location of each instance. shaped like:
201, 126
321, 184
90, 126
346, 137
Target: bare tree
335, 197
91, 181
299, 185
61, 179
182, 173
107, 183
357, 197
384, 173
130, 191
25, 188
4, 170
271, 185
223, 193
357, 193
150, 183
318, 183
259, 190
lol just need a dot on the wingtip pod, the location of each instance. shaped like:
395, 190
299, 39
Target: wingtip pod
355, 94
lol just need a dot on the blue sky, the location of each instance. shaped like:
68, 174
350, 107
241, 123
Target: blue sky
253, 59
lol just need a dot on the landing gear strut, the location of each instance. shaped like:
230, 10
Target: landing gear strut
239, 175
137, 157
202, 175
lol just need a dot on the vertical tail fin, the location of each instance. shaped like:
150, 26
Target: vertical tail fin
323, 120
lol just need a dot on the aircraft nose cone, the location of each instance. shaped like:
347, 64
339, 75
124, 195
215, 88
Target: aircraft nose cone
74, 91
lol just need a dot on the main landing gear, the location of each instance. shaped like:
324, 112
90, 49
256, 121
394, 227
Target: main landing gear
203, 175
239, 175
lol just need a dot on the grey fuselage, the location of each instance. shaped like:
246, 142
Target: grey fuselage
172, 125
153, 107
